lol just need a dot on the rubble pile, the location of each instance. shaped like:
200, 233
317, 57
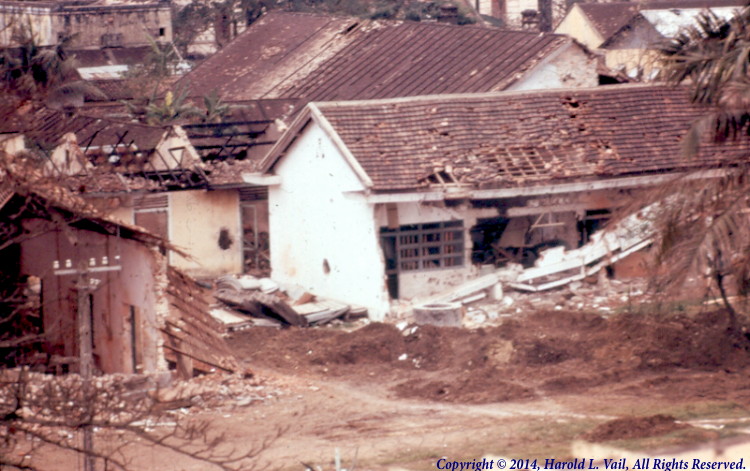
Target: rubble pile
215, 392
601, 295
247, 301
123, 399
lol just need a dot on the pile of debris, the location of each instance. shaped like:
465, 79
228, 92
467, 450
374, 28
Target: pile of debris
247, 301
489, 298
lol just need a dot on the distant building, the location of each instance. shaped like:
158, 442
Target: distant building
627, 32
540, 15
91, 24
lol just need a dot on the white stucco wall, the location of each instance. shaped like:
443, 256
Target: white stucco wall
570, 67
318, 219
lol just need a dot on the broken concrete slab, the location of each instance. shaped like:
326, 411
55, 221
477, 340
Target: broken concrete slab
262, 305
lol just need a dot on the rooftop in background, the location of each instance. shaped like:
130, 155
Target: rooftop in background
610, 18
514, 139
294, 55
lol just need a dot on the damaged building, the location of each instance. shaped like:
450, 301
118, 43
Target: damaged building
155, 178
88, 24
75, 281
407, 197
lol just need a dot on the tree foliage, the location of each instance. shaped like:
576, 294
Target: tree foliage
712, 57
32, 72
703, 227
224, 16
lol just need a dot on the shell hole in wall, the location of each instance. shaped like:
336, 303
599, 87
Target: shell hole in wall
326, 266
225, 240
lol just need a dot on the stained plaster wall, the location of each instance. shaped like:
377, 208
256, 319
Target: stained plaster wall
134, 285
632, 49
322, 229
570, 67
37, 19
206, 225
135, 24
87, 25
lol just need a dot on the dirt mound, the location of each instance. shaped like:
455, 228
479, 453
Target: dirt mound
634, 427
542, 353
476, 387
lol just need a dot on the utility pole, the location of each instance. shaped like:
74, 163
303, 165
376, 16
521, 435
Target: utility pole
84, 287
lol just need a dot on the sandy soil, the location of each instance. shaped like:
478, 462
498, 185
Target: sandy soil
526, 388
388, 399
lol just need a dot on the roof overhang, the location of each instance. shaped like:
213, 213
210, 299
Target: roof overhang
311, 112
640, 181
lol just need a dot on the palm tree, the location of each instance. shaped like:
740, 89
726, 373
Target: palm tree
173, 108
713, 57
39, 73
704, 226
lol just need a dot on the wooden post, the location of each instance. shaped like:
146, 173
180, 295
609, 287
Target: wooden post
86, 359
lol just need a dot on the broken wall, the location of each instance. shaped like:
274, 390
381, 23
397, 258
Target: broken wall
124, 314
569, 67
115, 25
323, 235
174, 151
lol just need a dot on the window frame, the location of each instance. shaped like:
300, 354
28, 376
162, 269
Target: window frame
425, 246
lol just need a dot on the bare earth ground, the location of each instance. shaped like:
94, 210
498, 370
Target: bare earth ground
392, 399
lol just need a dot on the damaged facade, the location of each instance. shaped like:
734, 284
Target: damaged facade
86, 282
405, 198
152, 177
90, 24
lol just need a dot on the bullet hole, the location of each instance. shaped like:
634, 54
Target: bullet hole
326, 266
225, 241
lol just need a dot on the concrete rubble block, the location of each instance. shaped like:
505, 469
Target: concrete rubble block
228, 282
439, 314
249, 282
267, 285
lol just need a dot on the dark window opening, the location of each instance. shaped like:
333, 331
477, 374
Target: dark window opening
592, 221
423, 246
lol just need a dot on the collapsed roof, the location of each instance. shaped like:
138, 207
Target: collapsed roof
514, 139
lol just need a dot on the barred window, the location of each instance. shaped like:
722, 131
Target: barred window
424, 246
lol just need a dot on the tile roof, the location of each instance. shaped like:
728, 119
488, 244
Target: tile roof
412, 58
609, 18
520, 138
288, 55
277, 45
100, 139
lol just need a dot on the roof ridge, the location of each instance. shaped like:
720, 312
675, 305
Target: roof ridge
440, 98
